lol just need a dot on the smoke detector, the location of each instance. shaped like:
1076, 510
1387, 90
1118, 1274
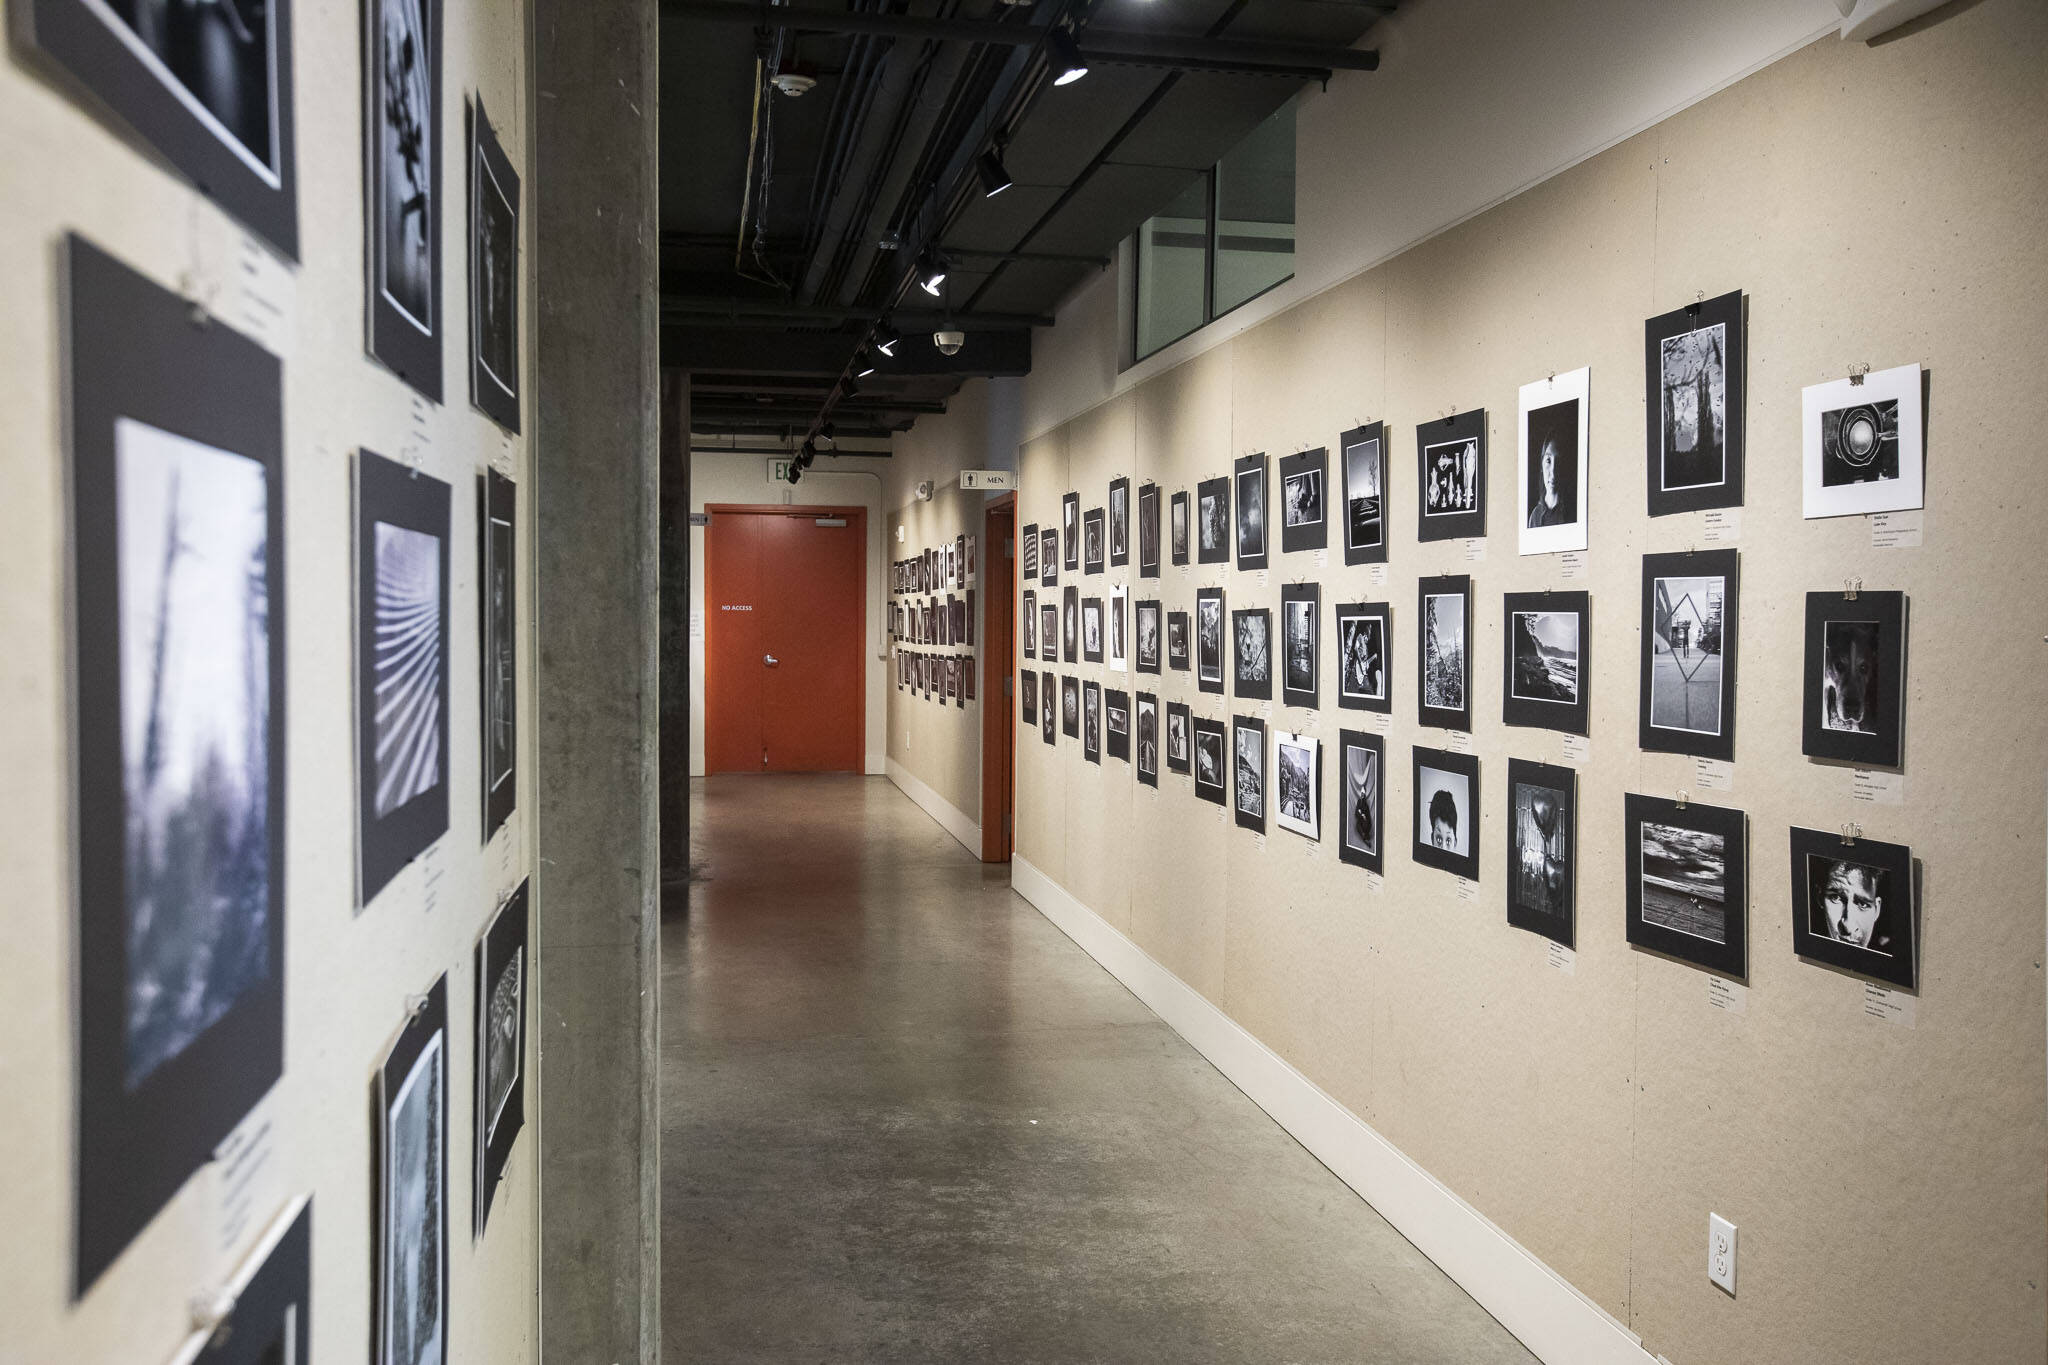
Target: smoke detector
793, 83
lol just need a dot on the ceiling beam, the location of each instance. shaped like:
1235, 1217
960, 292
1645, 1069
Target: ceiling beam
731, 311
760, 348
1121, 47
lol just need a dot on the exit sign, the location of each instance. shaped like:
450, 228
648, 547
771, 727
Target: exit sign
987, 478
778, 471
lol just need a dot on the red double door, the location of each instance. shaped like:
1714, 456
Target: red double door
785, 608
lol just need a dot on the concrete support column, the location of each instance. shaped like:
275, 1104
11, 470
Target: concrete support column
675, 640
596, 829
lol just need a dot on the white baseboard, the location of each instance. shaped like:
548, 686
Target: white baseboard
956, 823
1553, 1319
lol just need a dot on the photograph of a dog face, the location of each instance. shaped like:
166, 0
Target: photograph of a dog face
1693, 359
1552, 473
1443, 662
1252, 635
1177, 653
1853, 903
1146, 626
1209, 626
1249, 772
1361, 760
1365, 488
1212, 526
1447, 811
1210, 742
1855, 683
1542, 828
1148, 738
1120, 522
1364, 673
1179, 742
1297, 784
1300, 642
1304, 481
1688, 664
1179, 519
1148, 531
1093, 540
1863, 444
1687, 881
1116, 719
1544, 660
1451, 472
1251, 512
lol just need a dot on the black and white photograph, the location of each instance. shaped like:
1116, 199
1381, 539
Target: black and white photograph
1298, 784
1091, 721
1693, 387
1070, 707
497, 502
1046, 705
1147, 739
1552, 474
1209, 645
1365, 635
1304, 491
1027, 546
1179, 742
493, 274
1443, 661
401, 667
1451, 471
1120, 522
1447, 811
1248, 771
1211, 781
1364, 451
1049, 633
1048, 557
1148, 530
1853, 709
1027, 693
1688, 657
501, 967
1863, 444
1853, 905
1179, 520
1070, 530
1117, 626
270, 1322
1093, 537
1301, 642
1028, 618
1116, 723
1212, 521
209, 86
1145, 625
1177, 651
412, 1231
1091, 629
1252, 519
1251, 635
1070, 624
1548, 640
969, 568
1361, 768
959, 561
402, 79
176, 437
1687, 881
1542, 849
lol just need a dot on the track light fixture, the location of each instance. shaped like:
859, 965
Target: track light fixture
994, 177
796, 471
850, 387
931, 273
886, 338
1064, 58
863, 363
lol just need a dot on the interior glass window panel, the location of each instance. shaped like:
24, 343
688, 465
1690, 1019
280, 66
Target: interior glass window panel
1172, 269
1255, 213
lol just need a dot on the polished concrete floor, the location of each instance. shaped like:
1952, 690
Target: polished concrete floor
907, 1120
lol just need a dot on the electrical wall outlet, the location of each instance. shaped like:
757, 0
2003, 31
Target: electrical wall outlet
1721, 1252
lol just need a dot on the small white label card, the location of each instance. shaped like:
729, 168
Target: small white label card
1722, 526
1458, 741
1259, 842
263, 296
1222, 814
1183, 569
247, 1184
1713, 774
1265, 577
1894, 1007
1562, 959
1577, 749
1571, 564
1376, 574
1879, 789
1375, 883
430, 877
1895, 530
1379, 722
1266, 709
1322, 559
1475, 549
1309, 847
1468, 890
1724, 994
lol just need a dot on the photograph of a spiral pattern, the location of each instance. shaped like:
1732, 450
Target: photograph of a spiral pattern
408, 665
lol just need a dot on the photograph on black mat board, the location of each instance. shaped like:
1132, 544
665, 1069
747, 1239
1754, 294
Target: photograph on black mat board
1249, 771
1177, 655
1451, 472
1148, 738
1694, 375
1209, 645
1116, 722
1252, 519
1179, 745
1443, 659
1120, 522
1687, 881
1361, 762
1852, 904
1180, 526
1148, 531
1252, 638
1297, 784
1447, 811
1855, 677
1070, 531
1211, 783
1091, 721
1046, 705
1364, 671
1092, 541
1212, 525
1542, 830
1689, 622
1363, 450
1303, 506
1300, 642
1146, 627
1544, 659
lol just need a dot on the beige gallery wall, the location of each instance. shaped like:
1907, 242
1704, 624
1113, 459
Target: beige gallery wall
1877, 204
348, 972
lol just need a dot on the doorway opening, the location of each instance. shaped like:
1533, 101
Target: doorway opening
999, 668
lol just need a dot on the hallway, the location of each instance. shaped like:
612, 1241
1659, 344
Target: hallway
906, 1119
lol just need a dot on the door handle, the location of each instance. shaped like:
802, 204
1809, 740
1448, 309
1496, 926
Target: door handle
770, 660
